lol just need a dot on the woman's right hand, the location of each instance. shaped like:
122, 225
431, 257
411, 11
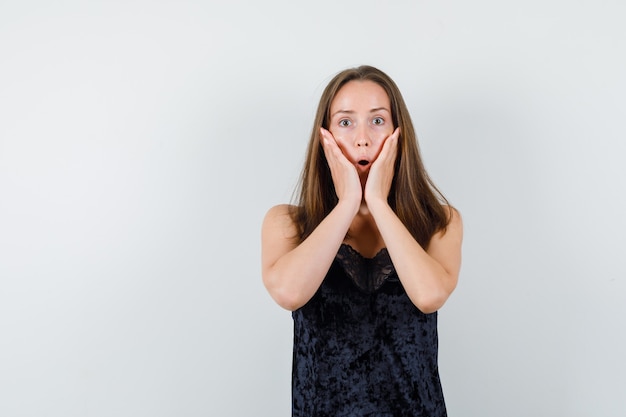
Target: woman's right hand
345, 177
293, 270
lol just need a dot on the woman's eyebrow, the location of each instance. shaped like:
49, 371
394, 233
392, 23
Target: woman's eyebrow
374, 110
342, 111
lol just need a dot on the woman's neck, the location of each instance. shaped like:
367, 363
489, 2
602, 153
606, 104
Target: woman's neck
363, 234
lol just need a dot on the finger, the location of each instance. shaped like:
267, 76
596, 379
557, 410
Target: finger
323, 133
326, 134
325, 139
394, 141
393, 138
390, 146
328, 141
333, 150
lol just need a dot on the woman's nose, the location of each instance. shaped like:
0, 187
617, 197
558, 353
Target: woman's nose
362, 139
362, 142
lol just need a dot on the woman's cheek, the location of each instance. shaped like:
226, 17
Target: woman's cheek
379, 142
341, 142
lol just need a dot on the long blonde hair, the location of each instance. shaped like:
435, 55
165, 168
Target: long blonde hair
413, 196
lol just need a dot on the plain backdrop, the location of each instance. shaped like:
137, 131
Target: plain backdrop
142, 142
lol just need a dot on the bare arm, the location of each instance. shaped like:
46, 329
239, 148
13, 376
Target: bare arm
292, 272
428, 276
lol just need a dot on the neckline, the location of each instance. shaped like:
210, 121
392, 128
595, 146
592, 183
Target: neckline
378, 254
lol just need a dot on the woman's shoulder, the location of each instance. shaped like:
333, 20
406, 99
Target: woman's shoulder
280, 218
452, 213
280, 210
454, 221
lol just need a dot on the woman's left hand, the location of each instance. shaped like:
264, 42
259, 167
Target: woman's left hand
381, 173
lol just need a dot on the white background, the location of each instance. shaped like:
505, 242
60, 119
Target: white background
141, 143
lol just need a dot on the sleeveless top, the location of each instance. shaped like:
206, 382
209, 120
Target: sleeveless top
362, 348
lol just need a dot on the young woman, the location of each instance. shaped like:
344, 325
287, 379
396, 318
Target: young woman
365, 260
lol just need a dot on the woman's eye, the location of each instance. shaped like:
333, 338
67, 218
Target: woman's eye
345, 123
378, 121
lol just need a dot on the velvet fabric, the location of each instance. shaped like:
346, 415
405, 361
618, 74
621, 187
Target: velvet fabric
362, 348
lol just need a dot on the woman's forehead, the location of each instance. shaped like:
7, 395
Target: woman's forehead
360, 95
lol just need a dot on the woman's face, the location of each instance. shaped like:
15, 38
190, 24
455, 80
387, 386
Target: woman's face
360, 121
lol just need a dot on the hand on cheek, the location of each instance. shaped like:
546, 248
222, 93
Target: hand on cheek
344, 174
381, 174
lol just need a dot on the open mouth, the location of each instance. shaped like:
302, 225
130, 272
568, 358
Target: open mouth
363, 162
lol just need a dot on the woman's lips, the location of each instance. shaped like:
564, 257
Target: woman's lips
363, 165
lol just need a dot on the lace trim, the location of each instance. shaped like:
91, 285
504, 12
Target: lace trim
368, 274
